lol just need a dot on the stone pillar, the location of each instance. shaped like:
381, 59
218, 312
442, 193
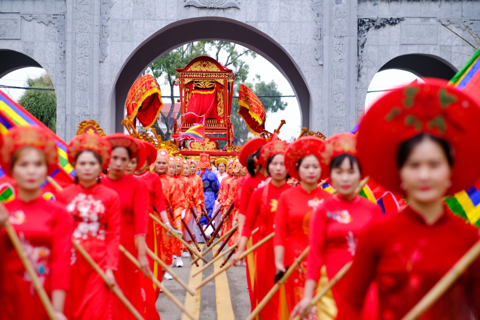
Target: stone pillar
339, 70
83, 35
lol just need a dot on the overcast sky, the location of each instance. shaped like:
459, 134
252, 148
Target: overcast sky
382, 81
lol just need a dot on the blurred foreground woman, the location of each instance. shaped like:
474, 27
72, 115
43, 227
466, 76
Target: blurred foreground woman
45, 228
422, 141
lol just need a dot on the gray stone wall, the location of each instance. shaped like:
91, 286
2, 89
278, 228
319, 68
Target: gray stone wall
338, 45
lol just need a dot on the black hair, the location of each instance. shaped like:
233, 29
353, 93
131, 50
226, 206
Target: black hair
270, 161
338, 160
128, 150
299, 162
251, 162
407, 146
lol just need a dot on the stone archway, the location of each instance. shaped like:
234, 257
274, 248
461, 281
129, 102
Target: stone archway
14, 60
207, 28
422, 65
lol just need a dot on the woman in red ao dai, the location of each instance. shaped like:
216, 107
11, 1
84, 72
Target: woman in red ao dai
28, 155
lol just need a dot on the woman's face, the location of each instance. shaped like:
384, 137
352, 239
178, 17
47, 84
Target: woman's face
310, 170
193, 168
119, 161
221, 167
277, 169
186, 169
161, 165
172, 168
345, 179
87, 167
131, 166
230, 167
426, 174
30, 169
178, 168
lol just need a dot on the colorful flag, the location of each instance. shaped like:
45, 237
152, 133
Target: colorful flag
251, 110
12, 115
196, 132
466, 203
468, 78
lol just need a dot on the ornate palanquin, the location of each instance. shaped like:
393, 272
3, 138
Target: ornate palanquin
206, 89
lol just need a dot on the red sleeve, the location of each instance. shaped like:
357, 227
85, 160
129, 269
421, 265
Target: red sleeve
113, 232
281, 217
140, 207
359, 277
61, 250
247, 191
252, 213
474, 288
315, 259
159, 201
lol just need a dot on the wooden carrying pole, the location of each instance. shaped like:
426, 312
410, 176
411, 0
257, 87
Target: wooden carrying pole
191, 235
278, 285
234, 228
169, 270
213, 217
444, 284
223, 244
243, 255
219, 227
198, 223
156, 282
215, 260
339, 275
31, 272
115, 289
228, 258
185, 243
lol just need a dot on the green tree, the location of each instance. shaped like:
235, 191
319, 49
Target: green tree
165, 67
42, 104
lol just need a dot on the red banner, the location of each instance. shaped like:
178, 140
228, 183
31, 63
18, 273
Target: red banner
251, 110
144, 101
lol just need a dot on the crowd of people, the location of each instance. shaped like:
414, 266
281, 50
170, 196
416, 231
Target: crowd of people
419, 142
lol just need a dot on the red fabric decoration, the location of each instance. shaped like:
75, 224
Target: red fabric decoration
434, 108
93, 142
19, 137
251, 146
304, 147
151, 152
144, 101
251, 110
201, 103
204, 161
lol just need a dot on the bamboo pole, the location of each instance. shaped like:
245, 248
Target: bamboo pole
215, 260
228, 258
445, 282
219, 227
156, 282
191, 235
185, 243
115, 289
217, 241
243, 255
198, 224
213, 217
362, 184
54, 183
31, 272
223, 245
169, 270
277, 285
339, 275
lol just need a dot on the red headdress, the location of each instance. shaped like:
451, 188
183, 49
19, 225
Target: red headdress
130, 143
93, 142
151, 152
304, 147
248, 148
204, 161
275, 146
434, 108
20, 137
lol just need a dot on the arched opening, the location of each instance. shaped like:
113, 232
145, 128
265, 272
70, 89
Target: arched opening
207, 28
422, 65
24, 81
404, 70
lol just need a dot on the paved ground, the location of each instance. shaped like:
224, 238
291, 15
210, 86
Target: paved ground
224, 298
